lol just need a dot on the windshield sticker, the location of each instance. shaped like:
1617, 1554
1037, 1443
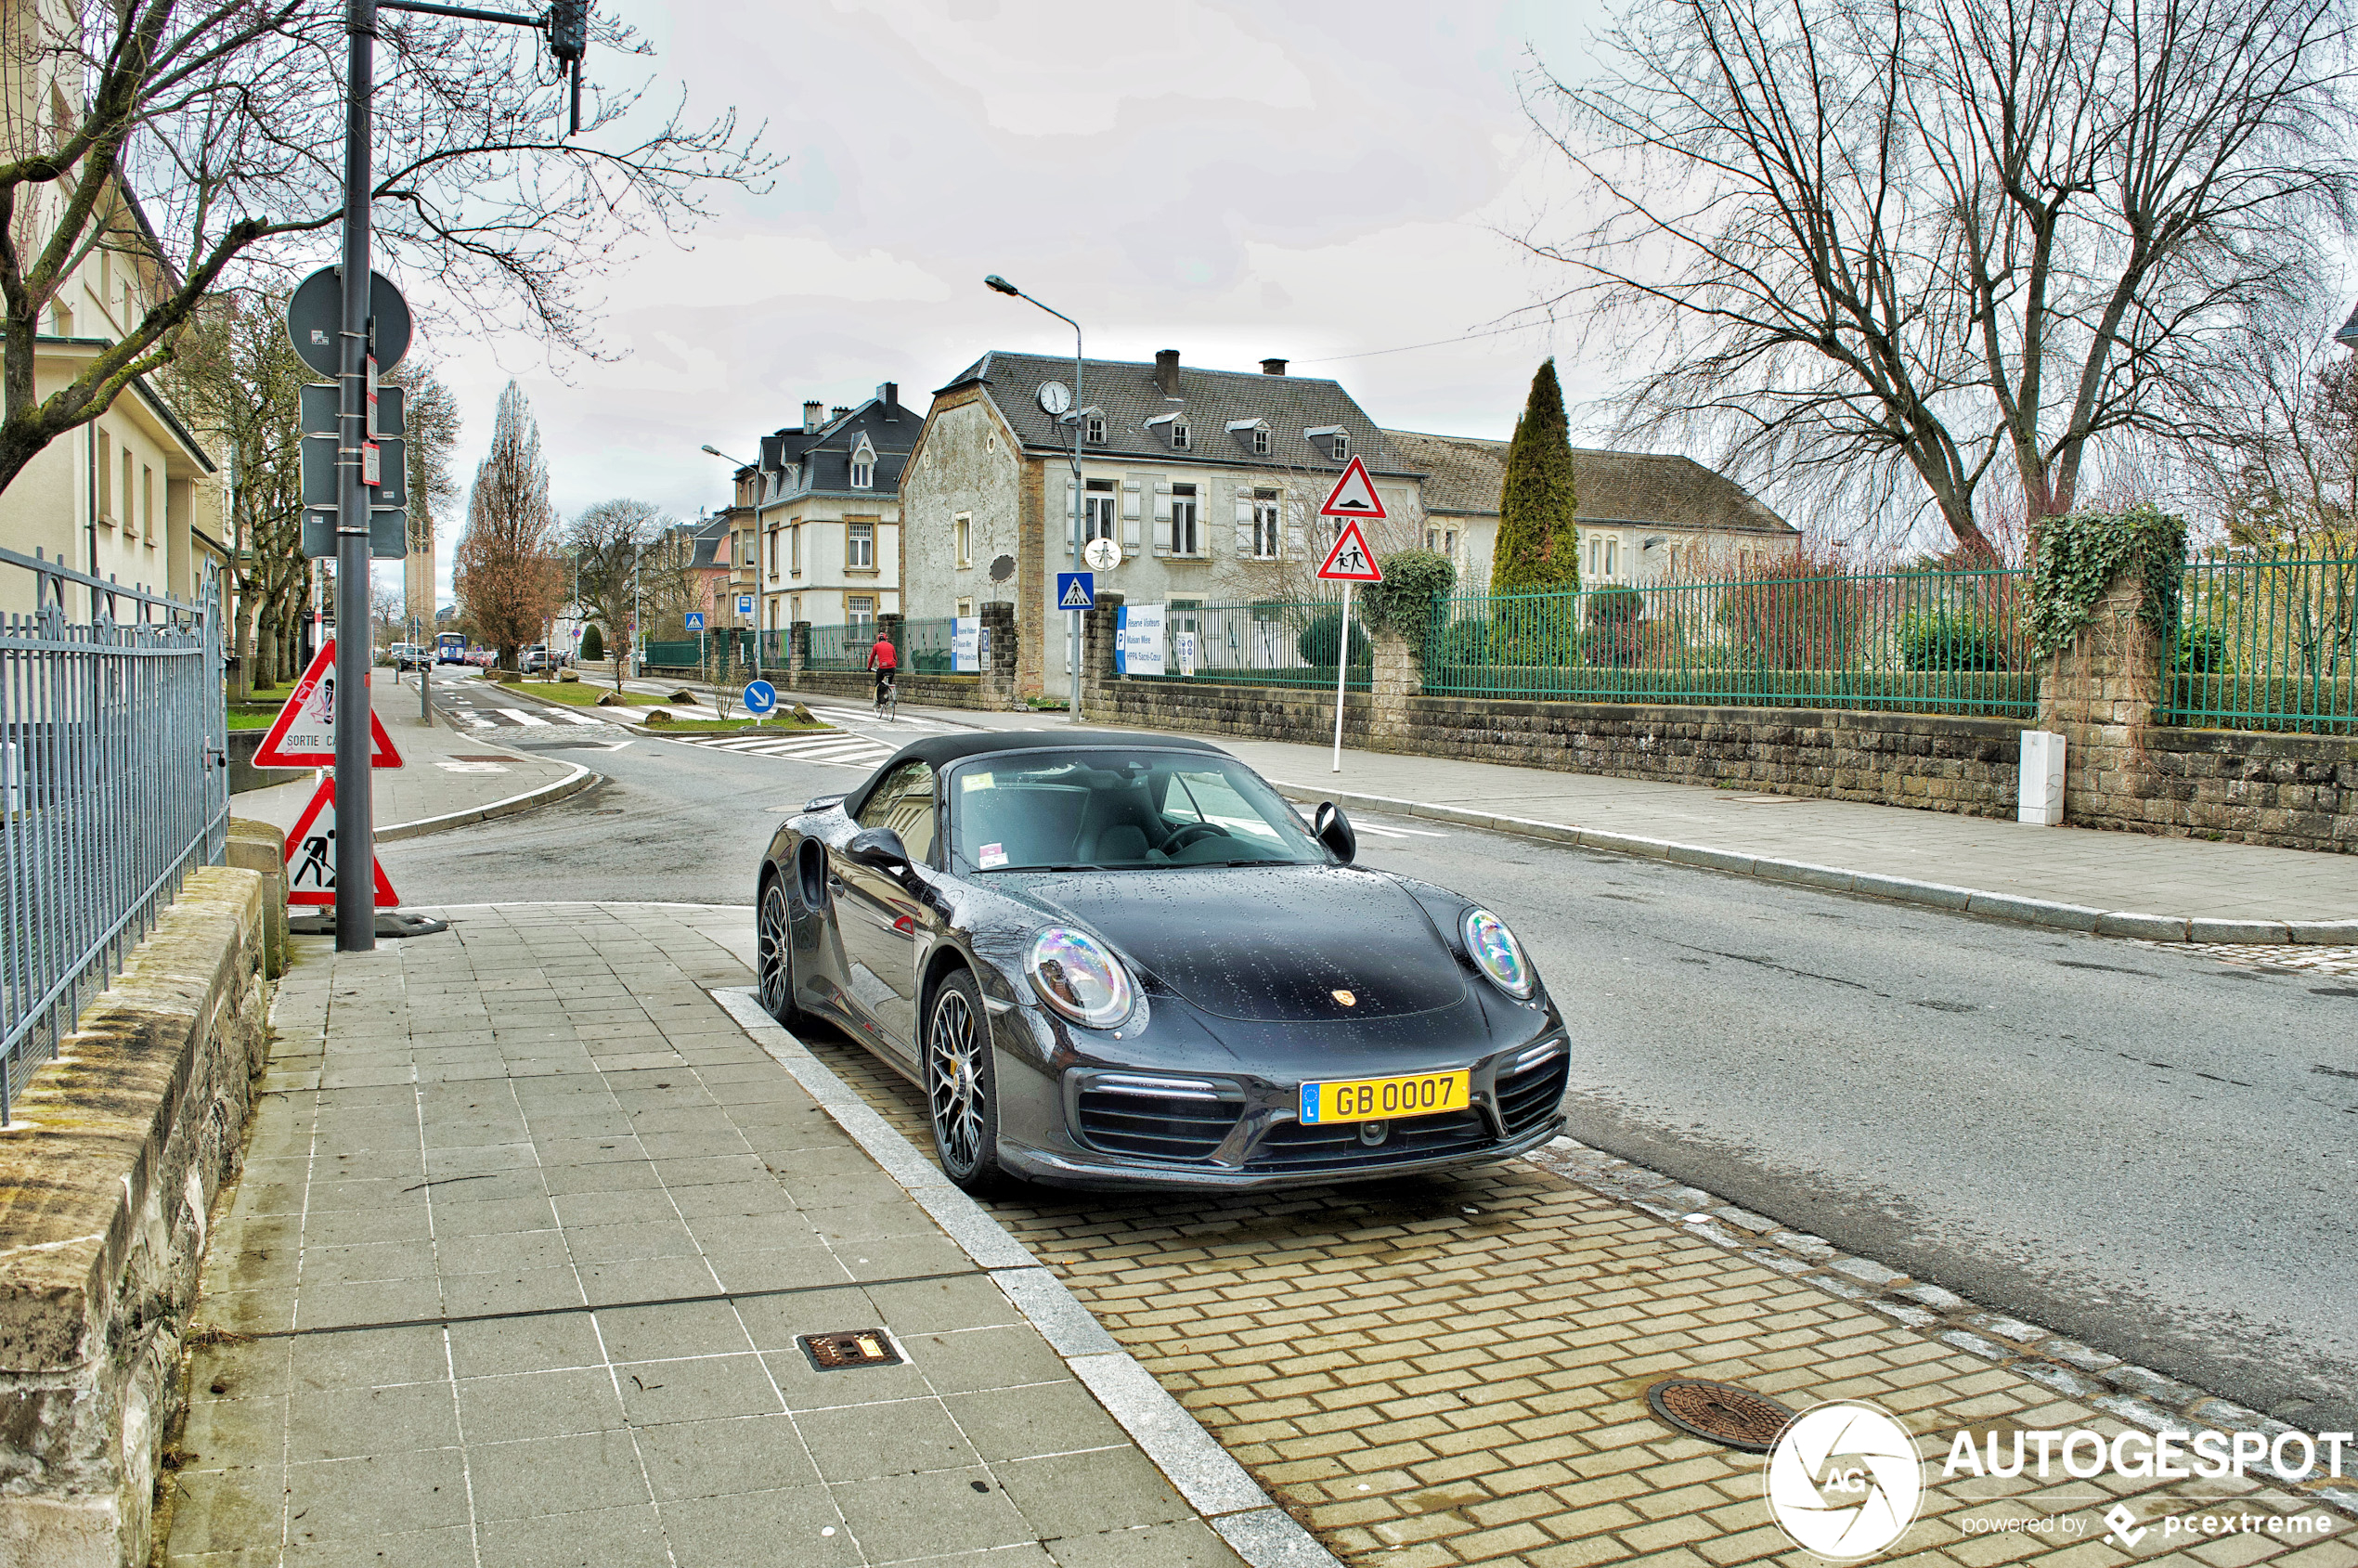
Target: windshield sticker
991, 856
968, 782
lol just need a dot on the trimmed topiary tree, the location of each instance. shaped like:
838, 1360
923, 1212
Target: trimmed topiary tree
593, 643
1538, 547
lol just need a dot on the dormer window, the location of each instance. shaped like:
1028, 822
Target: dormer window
1173, 427
863, 464
1342, 444
1253, 435
1330, 439
1261, 441
1092, 426
1179, 437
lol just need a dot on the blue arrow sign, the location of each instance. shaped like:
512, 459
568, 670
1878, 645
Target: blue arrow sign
1076, 591
761, 698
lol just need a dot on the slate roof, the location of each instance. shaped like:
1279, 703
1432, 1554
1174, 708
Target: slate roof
1126, 392
1660, 488
825, 455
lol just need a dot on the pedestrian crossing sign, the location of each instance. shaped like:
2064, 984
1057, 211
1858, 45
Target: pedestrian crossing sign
311, 854
1350, 561
1076, 591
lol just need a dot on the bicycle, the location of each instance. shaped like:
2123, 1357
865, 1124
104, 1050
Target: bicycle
888, 699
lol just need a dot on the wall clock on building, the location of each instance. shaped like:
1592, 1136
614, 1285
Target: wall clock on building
1055, 398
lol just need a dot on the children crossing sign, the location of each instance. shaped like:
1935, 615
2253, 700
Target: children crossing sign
1350, 561
303, 736
311, 854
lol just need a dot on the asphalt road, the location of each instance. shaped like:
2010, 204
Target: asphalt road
2148, 1150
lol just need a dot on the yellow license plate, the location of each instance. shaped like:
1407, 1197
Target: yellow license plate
1380, 1099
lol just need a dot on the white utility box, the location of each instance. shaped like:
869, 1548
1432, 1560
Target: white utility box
2041, 799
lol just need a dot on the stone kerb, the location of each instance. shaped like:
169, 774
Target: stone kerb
2102, 693
107, 1185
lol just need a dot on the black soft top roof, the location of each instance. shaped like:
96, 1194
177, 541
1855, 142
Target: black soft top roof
941, 750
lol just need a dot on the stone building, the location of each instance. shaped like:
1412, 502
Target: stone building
822, 543
1643, 516
1207, 480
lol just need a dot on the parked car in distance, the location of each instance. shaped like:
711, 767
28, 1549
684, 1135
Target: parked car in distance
537, 659
411, 655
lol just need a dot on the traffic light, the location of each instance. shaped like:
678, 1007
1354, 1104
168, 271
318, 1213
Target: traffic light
569, 29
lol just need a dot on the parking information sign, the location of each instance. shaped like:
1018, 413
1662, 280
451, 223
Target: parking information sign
761, 698
745, 606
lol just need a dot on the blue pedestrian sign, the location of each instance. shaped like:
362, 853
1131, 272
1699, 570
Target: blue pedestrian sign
695, 620
761, 698
1076, 591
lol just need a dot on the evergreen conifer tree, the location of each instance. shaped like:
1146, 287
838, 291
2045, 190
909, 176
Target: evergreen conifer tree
1538, 547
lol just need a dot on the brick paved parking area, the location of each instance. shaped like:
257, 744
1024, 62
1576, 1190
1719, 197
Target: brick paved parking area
1453, 1371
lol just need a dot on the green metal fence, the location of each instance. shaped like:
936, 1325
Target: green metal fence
925, 645
2266, 642
673, 655
1935, 641
840, 647
1270, 642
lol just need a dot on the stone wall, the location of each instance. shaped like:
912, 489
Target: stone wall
992, 689
106, 1196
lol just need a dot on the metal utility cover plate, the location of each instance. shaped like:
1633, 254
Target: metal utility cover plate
849, 1349
1719, 1413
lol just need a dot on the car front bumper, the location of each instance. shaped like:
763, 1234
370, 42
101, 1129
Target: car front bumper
1071, 1168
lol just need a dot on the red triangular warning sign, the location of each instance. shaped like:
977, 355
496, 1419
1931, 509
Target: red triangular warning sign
1350, 561
311, 854
303, 736
1354, 494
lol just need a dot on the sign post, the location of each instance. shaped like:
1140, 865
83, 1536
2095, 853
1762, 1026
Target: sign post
1348, 561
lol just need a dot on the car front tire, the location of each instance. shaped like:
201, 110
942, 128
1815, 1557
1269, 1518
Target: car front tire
774, 955
961, 1087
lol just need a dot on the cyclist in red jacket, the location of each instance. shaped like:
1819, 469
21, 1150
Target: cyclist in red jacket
883, 659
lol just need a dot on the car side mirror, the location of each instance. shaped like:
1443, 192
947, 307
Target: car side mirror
1334, 830
879, 847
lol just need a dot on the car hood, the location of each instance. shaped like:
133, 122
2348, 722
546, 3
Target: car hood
1269, 945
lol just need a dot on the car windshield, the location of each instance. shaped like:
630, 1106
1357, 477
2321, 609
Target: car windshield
1117, 810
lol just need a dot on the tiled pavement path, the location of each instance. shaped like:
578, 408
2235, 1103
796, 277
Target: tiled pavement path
526, 1232
1453, 1371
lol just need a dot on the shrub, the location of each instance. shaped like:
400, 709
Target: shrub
1794, 614
593, 643
1615, 638
1413, 580
1318, 638
2198, 650
1951, 640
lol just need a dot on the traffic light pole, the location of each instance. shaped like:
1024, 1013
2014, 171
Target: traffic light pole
355, 828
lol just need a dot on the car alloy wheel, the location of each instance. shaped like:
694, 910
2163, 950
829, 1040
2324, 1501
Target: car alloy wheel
773, 962
961, 1086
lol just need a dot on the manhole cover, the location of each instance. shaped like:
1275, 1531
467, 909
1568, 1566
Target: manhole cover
851, 1347
1719, 1412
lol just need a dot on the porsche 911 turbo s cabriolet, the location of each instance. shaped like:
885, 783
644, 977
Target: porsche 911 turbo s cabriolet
1118, 960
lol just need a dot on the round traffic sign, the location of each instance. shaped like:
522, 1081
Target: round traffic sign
1102, 554
761, 698
314, 321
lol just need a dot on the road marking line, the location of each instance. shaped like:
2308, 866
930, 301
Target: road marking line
579, 719
523, 718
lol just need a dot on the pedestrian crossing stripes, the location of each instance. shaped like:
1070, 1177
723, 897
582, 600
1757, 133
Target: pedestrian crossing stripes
868, 715
832, 750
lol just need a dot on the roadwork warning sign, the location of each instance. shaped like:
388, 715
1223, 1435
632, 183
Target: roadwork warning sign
303, 736
311, 854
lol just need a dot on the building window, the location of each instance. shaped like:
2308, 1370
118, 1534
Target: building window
130, 517
860, 611
1342, 446
964, 607
964, 529
147, 503
794, 549
860, 547
106, 477
1179, 436
863, 467
1260, 442
1093, 430
773, 552
1265, 525
1097, 511
1185, 539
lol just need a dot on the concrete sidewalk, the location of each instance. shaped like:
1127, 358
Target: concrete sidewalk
530, 1233
449, 778
2243, 892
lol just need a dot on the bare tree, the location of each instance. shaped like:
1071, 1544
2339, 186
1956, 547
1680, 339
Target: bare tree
507, 577
227, 121
2286, 477
608, 543
430, 421
1885, 246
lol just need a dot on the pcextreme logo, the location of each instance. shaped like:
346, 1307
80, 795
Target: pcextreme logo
1844, 1481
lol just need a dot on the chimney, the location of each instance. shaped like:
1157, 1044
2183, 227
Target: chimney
1273, 366
1167, 371
810, 416
888, 394
837, 411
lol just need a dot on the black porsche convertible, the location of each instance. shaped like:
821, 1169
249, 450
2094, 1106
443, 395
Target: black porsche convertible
1120, 960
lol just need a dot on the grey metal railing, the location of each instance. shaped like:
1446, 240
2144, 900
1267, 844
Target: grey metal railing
114, 785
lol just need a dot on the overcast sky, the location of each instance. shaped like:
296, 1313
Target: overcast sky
1314, 180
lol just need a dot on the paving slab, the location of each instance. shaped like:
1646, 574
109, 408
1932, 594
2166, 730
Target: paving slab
552, 1315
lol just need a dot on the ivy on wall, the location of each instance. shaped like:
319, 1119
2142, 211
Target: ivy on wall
2079, 554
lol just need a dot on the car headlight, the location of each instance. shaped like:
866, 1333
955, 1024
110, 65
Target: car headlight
1077, 977
1497, 954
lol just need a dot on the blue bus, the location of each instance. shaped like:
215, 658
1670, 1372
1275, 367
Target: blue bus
449, 648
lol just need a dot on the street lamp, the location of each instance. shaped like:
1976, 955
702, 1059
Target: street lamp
1073, 633
755, 563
